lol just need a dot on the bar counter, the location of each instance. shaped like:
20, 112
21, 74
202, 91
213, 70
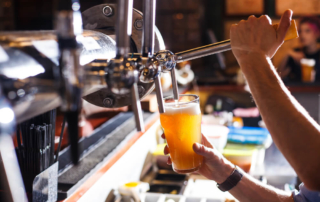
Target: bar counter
104, 150
115, 152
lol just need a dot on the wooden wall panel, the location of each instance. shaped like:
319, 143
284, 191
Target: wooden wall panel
299, 7
244, 7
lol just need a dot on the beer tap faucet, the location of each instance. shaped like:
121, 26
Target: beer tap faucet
151, 68
162, 61
69, 27
122, 72
166, 60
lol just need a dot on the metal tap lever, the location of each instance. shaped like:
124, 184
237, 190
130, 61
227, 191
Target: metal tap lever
203, 51
69, 27
168, 60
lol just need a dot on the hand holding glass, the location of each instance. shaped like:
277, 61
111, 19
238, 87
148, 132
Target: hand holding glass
182, 127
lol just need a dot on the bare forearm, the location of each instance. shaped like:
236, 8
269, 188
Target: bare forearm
283, 70
251, 190
291, 127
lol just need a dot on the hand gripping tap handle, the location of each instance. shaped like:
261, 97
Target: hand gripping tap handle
223, 46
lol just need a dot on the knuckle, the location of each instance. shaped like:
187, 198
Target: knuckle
252, 17
265, 18
233, 27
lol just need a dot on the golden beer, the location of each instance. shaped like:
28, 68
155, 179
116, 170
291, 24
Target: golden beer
182, 127
307, 70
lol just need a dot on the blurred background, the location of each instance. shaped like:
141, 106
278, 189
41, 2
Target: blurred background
184, 24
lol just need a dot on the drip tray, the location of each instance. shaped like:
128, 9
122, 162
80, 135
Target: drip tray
165, 189
171, 177
166, 182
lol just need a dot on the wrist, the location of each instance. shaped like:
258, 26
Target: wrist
252, 58
225, 170
253, 61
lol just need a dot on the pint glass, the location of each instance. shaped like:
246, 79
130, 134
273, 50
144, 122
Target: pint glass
307, 70
182, 127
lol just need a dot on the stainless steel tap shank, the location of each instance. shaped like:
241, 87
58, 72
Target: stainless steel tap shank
203, 51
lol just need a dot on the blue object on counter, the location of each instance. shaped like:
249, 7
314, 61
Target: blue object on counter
250, 135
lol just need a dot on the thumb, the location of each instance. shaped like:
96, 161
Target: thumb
284, 25
202, 150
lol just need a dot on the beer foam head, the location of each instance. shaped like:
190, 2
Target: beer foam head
308, 62
190, 108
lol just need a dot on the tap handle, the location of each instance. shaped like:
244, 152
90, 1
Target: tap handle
136, 106
149, 11
223, 46
167, 61
159, 93
174, 84
123, 27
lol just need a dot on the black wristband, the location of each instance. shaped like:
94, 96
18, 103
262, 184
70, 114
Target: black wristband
231, 181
